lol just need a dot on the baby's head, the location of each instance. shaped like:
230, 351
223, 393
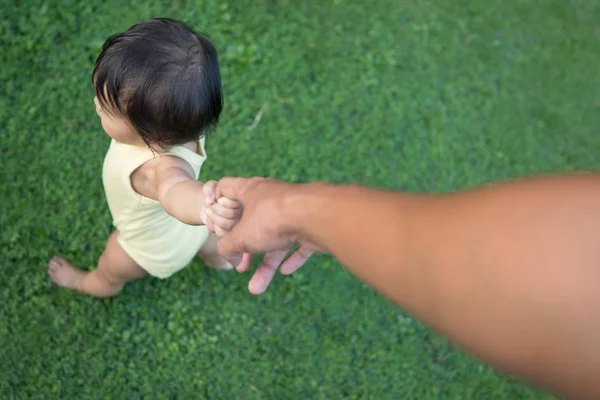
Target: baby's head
159, 82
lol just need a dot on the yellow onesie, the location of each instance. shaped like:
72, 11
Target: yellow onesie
159, 243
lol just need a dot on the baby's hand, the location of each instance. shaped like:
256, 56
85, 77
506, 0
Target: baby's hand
219, 215
224, 214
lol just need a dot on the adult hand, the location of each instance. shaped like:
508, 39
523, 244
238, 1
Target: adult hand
264, 227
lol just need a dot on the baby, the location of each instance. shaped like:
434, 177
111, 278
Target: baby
158, 92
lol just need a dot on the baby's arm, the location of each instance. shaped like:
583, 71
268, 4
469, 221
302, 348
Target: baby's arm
179, 193
183, 197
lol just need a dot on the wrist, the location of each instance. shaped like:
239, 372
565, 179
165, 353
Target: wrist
304, 209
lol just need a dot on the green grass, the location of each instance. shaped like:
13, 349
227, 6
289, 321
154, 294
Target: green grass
414, 95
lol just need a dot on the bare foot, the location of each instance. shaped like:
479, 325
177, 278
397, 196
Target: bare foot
217, 262
64, 274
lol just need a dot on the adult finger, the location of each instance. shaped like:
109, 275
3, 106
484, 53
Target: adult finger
246, 262
232, 246
297, 259
228, 203
232, 188
265, 271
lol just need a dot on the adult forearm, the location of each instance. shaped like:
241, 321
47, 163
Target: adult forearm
509, 272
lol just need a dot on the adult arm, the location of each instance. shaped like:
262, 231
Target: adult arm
510, 272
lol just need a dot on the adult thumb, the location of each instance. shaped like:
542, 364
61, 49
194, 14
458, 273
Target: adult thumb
231, 246
232, 188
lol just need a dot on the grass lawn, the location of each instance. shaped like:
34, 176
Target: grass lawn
414, 95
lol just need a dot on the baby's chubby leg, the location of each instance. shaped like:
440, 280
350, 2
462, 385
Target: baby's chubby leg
115, 268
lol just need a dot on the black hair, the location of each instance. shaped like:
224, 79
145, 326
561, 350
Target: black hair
163, 78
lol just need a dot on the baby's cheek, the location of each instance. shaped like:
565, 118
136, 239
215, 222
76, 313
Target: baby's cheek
109, 129
105, 125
